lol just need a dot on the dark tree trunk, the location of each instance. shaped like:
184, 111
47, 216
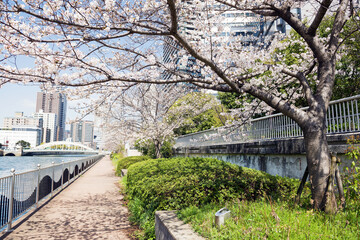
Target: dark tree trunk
319, 164
157, 148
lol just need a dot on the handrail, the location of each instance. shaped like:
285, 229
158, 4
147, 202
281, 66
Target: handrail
22, 191
343, 116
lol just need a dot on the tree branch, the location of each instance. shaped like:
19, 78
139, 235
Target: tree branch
277, 103
324, 6
304, 83
339, 22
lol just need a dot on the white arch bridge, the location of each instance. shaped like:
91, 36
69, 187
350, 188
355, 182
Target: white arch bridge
60, 148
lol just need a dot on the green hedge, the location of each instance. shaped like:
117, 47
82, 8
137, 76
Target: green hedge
176, 183
179, 182
115, 157
124, 163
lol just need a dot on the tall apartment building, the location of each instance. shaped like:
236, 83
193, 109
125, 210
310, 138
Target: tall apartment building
54, 103
49, 127
82, 131
247, 26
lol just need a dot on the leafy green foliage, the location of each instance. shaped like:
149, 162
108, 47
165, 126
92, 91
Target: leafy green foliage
347, 79
174, 183
199, 111
126, 162
230, 100
266, 219
204, 121
352, 174
23, 144
115, 157
233, 100
147, 148
142, 216
164, 184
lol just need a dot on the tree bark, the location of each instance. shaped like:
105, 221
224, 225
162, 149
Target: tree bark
330, 205
157, 148
340, 185
318, 160
301, 187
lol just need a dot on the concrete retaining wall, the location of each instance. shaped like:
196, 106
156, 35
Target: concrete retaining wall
284, 157
169, 227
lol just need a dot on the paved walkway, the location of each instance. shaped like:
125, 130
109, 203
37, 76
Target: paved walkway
90, 208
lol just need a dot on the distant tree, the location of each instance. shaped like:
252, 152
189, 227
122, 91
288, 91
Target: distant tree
230, 100
147, 147
347, 78
146, 113
23, 144
201, 119
201, 122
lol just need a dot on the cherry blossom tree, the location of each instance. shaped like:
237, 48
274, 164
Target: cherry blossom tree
106, 46
151, 113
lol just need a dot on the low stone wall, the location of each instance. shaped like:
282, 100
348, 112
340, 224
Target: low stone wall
169, 227
284, 157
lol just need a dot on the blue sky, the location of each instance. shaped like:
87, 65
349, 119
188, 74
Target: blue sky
21, 98
17, 98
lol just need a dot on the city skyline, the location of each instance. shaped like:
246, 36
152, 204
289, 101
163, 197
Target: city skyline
20, 98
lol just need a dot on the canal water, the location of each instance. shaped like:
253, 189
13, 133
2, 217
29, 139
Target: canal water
27, 163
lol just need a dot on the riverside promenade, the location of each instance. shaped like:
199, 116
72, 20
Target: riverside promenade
89, 208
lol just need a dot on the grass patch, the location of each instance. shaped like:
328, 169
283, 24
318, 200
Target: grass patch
271, 220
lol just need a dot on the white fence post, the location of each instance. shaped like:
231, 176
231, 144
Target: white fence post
62, 174
52, 179
11, 200
38, 187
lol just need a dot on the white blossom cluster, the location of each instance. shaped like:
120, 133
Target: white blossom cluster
100, 48
148, 112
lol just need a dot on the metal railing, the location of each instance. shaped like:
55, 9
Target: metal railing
343, 116
20, 192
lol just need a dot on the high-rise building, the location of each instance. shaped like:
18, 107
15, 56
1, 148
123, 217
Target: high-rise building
54, 103
247, 26
49, 128
82, 131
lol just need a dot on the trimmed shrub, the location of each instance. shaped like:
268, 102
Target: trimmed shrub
115, 157
124, 163
179, 182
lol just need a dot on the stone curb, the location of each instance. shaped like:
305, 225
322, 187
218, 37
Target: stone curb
169, 227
